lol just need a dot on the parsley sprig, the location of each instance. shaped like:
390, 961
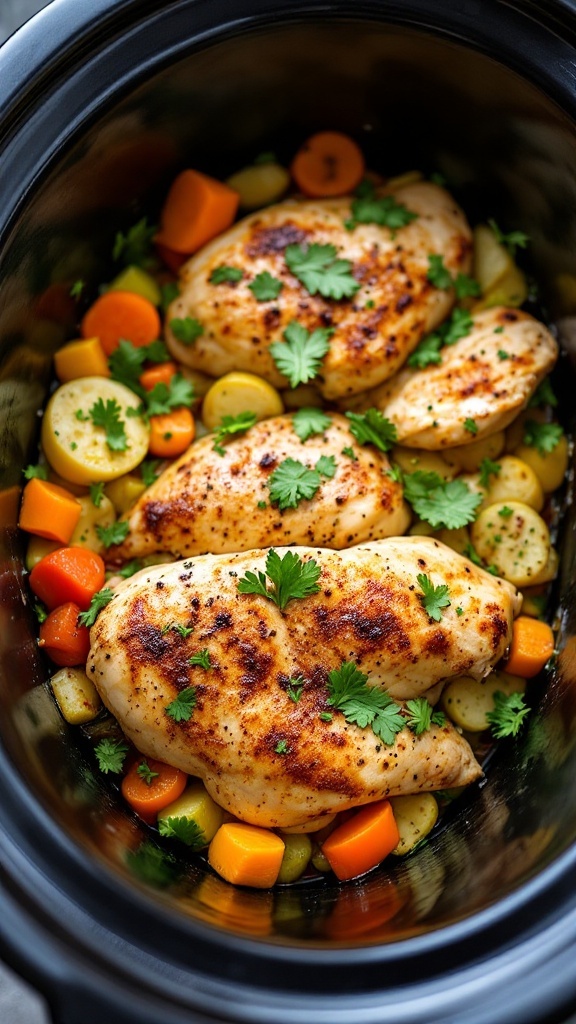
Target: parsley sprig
442, 503
488, 468
226, 275
544, 395
265, 287
508, 715
134, 247
230, 425
111, 755
364, 705
186, 329
292, 481
126, 362
183, 828
98, 602
512, 240
300, 355
542, 436
38, 472
384, 210
181, 708
145, 772
440, 277
113, 534
420, 715
107, 415
308, 422
458, 326
371, 427
290, 577
320, 271
433, 599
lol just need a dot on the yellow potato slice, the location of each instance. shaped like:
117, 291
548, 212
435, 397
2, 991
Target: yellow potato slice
75, 447
511, 290
415, 817
516, 481
469, 456
412, 459
37, 548
197, 805
548, 573
491, 259
238, 392
91, 517
124, 492
134, 279
260, 184
458, 540
550, 468
467, 701
514, 538
75, 695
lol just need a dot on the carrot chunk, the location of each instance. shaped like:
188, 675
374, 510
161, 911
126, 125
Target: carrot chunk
68, 574
161, 373
82, 358
362, 841
246, 855
532, 645
197, 209
117, 315
171, 433
165, 785
49, 511
328, 164
62, 639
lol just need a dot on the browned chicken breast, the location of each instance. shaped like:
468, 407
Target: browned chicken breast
265, 756
374, 332
210, 502
487, 377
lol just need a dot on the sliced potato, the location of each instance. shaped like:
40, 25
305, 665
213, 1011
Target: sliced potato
197, 805
415, 817
515, 432
491, 259
134, 279
511, 290
75, 447
238, 392
297, 853
91, 517
37, 548
516, 481
550, 468
412, 459
513, 538
201, 382
124, 492
75, 695
260, 184
548, 573
458, 540
469, 456
467, 701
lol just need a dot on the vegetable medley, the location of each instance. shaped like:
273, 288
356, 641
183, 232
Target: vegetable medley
128, 405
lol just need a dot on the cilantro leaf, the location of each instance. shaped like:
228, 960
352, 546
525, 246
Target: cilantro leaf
364, 705
318, 269
308, 421
371, 427
290, 577
512, 240
282, 747
438, 274
226, 275
145, 772
38, 472
428, 351
488, 469
350, 453
201, 658
433, 599
183, 828
420, 715
130, 568
232, 425
164, 397
386, 211
326, 466
544, 395
299, 359
113, 534
180, 709
126, 363
169, 292
470, 425
265, 287
458, 326
111, 755
292, 481
77, 288
508, 715
40, 611
107, 416
134, 247
176, 627
98, 602
294, 690
149, 471
465, 286
542, 436
443, 503
186, 329
471, 553
97, 493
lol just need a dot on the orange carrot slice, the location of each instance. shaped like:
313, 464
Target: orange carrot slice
62, 639
532, 645
362, 841
68, 574
171, 433
161, 373
197, 209
328, 164
117, 315
147, 798
49, 511
246, 855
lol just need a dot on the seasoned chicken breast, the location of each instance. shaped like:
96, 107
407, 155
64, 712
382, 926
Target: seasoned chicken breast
210, 502
487, 377
374, 332
265, 756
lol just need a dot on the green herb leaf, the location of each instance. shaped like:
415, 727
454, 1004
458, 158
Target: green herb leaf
97, 493
512, 240
98, 602
282, 747
420, 715
542, 436
145, 772
169, 292
544, 395
433, 599
294, 690
371, 427
77, 288
290, 576
291, 482
186, 329
470, 425
265, 287
326, 466
502, 354
350, 453
442, 503
300, 357
427, 352
438, 274
36, 472
508, 715
135, 247
111, 755
364, 705
318, 269
488, 469
181, 708
201, 658
107, 416
183, 828
465, 286
40, 611
113, 534
505, 512
165, 397
129, 569
230, 425
226, 275
149, 471
308, 421
386, 211
471, 553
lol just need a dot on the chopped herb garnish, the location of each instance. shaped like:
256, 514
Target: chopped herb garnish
183, 828
420, 715
98, 602
428, 351
262, 504
77, 288
145, 772
282, 747
371, 427
291, 482
186, 329
113, 534
512, 240
544, 395
385, 211
502, 354
364, 705
290, 577
226, 275
294, 690
134, 248
36, 472
169, 292
309, 421
40, 611
488, 469
433, 599
542, 436
97, 493
165, 397
181, 708
265, 287
470, 425
111, 755
319, 270
299, 358
107, 416
325, 716
326, 466
505, 512
442, 503
129, 569
149, 471
438, 274
508, 715
350, 453
201, 658
471, 553
465, 286
230, 425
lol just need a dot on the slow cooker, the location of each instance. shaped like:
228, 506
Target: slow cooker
100, 104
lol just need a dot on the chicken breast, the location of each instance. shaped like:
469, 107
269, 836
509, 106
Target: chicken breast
374, 332
268, 758
206, 502
487, 377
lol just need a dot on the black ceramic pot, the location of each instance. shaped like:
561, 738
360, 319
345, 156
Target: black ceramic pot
100, 102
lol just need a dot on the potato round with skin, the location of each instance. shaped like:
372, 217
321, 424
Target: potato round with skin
415, 817
516, 481
513, 538
467, 701
550, 468
240, 392
75, 447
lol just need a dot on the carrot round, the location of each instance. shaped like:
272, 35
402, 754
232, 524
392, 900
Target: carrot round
62, 639
68, 574
49, 511
532, 645
328, 164
246, 855
161, 373
117, 315
197, 209
171, 433
362, 841
147, 798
